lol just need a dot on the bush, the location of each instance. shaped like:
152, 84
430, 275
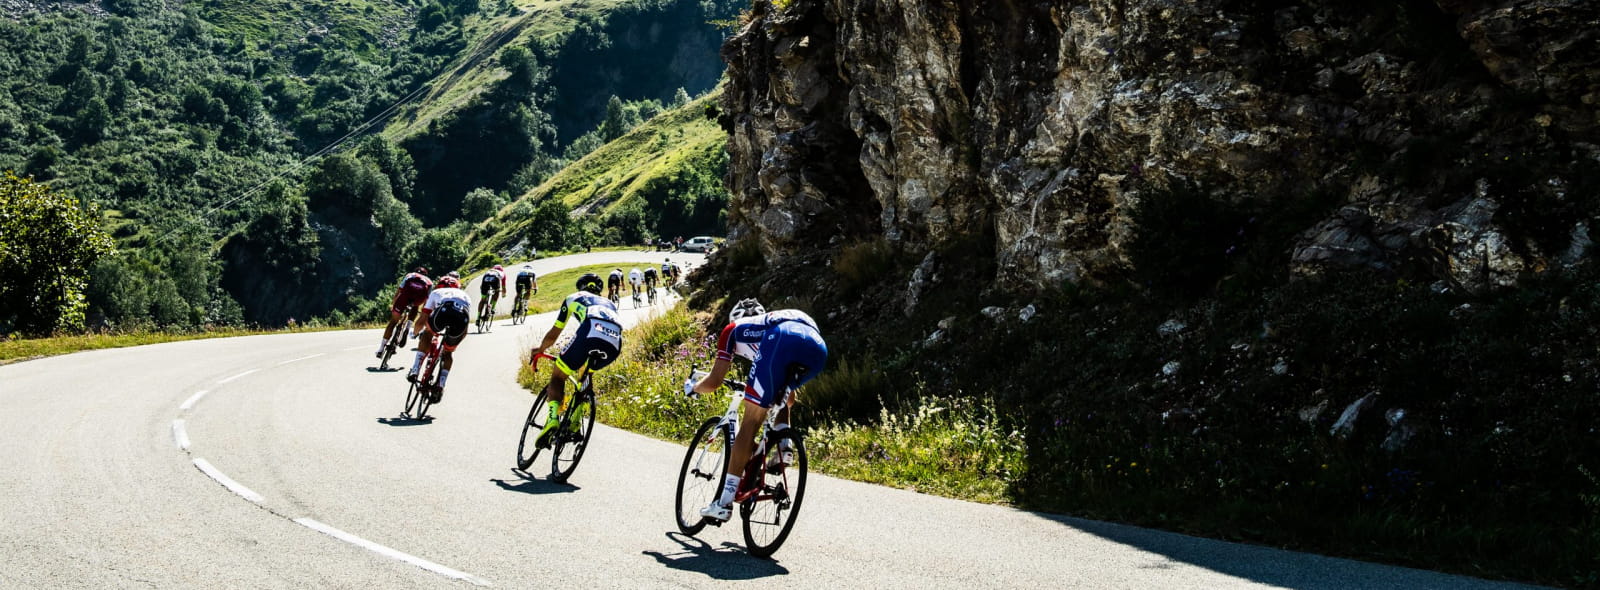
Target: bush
864, 263
48, 243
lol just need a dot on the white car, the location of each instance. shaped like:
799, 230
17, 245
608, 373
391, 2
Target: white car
698, 244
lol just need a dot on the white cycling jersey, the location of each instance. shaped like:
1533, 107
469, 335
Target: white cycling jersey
635, 276
441, 296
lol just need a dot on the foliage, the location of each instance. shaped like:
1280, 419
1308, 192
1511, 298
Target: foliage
48, 243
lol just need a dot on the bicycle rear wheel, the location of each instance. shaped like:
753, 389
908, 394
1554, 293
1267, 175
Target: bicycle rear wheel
570, 444
423, 403
526, 450
705, 465
769, 515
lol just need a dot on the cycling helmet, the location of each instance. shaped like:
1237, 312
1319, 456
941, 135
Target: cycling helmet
454, 275
590, 282
448, 283
497, 267
744, 309
421, 270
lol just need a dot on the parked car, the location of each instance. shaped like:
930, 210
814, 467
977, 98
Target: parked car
698, 244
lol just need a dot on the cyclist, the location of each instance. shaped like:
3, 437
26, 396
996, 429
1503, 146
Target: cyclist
491, 285
413, 292
526, 280
650, 281
614, 284
598, 334
636, 282
666, 272
780, 345
445, 314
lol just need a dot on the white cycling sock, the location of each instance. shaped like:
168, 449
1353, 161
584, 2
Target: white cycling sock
382, 342
417, 364
730, 484
443, 374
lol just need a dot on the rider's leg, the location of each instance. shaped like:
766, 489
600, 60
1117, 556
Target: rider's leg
446, 359
425, 339
738, 456
388, 331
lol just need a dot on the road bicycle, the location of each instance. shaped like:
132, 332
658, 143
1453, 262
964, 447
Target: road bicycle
519, 310
637, 299
397, 340
768, 497
615, 296
486, 313
423, 391
570, 437
650, 290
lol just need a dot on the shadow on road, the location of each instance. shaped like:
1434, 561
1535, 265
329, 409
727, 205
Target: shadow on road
537, 487
405, 421
394, 369
729, 562
1272, 567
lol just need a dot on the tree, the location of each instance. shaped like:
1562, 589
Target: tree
616, 121
680, 98
440, 250
48, 243
93, 120
478, 205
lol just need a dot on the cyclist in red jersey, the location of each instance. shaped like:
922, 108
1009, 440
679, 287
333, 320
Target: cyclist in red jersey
413, 291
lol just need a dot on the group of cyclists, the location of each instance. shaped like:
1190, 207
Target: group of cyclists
785, 348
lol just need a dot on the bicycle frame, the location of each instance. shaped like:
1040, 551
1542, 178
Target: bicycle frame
582, 379
749, 489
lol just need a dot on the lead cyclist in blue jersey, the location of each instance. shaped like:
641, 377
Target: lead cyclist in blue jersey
785, 350
598, 341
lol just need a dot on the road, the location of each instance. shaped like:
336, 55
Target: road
114, 460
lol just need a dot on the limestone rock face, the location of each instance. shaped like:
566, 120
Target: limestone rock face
1453, 138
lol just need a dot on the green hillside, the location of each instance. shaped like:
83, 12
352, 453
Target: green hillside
367, 27
665, 174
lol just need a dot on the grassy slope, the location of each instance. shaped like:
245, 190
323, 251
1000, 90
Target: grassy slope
366, 26
537, 20
611, 176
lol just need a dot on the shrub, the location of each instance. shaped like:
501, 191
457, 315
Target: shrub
864, 263
48, 242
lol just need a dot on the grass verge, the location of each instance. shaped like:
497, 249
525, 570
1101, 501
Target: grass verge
23, 349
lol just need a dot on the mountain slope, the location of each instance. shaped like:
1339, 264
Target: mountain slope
665, 174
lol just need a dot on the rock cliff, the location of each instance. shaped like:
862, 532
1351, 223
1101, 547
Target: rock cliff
1450, 139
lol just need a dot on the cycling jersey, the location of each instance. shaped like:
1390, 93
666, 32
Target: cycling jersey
525, 280
599, 335
449, 309
635, 277
492, 282
650, 275
615, 278
777, 344
413, 292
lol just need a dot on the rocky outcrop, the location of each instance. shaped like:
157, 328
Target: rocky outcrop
1454, 139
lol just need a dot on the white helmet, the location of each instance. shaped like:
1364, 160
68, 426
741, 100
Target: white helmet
746, 308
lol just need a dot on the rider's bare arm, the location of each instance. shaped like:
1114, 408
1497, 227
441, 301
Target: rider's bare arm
713, 380
549, 340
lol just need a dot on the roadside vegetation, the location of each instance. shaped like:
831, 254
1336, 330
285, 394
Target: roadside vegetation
22, 349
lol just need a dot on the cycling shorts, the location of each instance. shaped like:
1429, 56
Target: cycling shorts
524, 283
786, 347
595, 335
411, 294
486, 287
450, 321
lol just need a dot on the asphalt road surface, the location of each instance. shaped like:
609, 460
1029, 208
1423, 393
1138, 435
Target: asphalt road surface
279, 462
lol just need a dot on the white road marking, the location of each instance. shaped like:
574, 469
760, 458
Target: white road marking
179, 435
227, 482
193, 399
391, 553
299, 359
237, 376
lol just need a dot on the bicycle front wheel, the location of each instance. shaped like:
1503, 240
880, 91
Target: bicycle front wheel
527, 451
414, 397
577, 425
705, 465
769, 515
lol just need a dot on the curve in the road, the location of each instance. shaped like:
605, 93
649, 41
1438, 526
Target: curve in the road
95, 495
